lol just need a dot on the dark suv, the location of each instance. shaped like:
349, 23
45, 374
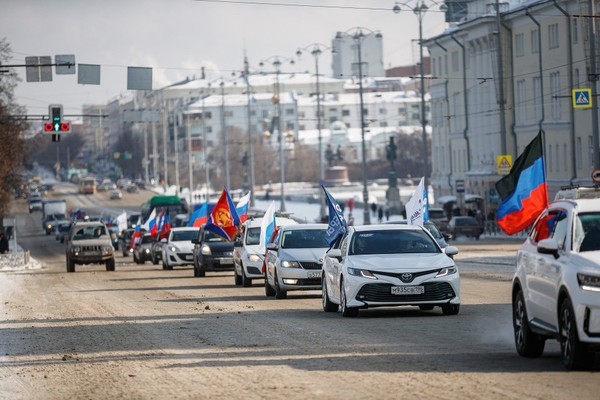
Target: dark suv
211, 253
89, 243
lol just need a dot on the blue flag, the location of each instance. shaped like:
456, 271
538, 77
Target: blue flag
337, 224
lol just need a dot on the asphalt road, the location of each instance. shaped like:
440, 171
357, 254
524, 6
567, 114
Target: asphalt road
144, 333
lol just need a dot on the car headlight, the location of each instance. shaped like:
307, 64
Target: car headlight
589, 282
290, 264
254, 258
205, 250
107, 249
49, 226
173, 249
363, 273
75, 249
147, 251
446, 271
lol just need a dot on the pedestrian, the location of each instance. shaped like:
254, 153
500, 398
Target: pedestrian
380, 214
3, 243
373, 208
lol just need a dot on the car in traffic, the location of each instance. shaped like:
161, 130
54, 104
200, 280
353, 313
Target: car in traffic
62, 230
142, 250
89, 243
178, 248
389, 265
211, 253
465, 226
52, 221
156, 251
35, 204
556, 286
125, 241
294, 259
439, 218
115, 194
440, 238
247, 255
113, 231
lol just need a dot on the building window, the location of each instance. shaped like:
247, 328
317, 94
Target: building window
519, 45
537, 94
209, 129
289, 111
301, 114
229, 114
433, 70
253, 113
383, 111
455, 61
265, 114
332, 120
549, 161
579, 153
553, 36
289, 126
575, 30
565, 156
446, 64
556, 159
208, 115
345, 113
521, 101
302, 127
535, 44
555, 91
383, 123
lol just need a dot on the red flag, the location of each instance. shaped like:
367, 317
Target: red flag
223, 219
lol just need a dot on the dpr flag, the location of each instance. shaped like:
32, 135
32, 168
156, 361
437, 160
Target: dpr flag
337, 224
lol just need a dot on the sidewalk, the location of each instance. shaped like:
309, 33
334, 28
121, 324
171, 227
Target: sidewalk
17, 259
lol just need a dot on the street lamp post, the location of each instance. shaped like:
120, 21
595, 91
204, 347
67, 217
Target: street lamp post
250, 139
316, 51
277, 101
419, 9
225, 136
358, 36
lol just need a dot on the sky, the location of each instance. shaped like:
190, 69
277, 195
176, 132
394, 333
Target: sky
178, 37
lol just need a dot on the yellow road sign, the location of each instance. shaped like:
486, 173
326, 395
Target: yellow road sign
582, 98
503, 164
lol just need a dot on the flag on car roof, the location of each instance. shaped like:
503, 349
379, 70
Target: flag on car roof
157, 226
337, 223
121, 221
223, 219
523, 191
166, 225
267, 226
136, 235
416, 207
242, 207
200, 216
150, 222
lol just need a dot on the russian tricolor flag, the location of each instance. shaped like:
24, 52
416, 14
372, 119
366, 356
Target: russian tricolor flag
524, 190
267, 227
150, 222
242, 207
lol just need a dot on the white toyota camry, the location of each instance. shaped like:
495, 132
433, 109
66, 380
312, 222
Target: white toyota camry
390, 265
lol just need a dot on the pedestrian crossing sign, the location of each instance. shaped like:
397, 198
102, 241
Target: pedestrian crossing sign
503, 164
582, 98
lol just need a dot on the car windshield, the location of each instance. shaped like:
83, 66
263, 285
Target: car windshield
147, 239
392, 242
212, 237
465, 222
184, 236
587, 232
253, 236
89, 232
304, 239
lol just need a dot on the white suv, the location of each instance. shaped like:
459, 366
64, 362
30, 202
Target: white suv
247, 255
556, 287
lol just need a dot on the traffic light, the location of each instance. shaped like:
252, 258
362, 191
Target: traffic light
56, 124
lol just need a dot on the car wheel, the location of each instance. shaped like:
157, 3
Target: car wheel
528, 343
346, 311
450, 309
279, 293
70, 265
164, 265
154, 260
269, 291
328, 305
574, 354
237, 278
110, 265
426, 307
246, 282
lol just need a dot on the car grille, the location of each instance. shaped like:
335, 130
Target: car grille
406, 279
183, 255
91, 249
382, 292
222, 254
310, 265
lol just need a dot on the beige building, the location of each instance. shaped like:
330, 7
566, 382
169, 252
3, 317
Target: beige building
545, 54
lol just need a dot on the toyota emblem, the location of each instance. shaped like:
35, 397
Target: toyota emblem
406, 277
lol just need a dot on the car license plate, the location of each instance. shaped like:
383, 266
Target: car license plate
408, 290
314, 274
189, 257
226, 260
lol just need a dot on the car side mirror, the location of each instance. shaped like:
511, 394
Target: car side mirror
451, 251
272, 246
548, 246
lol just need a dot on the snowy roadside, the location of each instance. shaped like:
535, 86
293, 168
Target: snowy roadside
18, 260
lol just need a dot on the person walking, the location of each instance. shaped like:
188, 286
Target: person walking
3, 243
